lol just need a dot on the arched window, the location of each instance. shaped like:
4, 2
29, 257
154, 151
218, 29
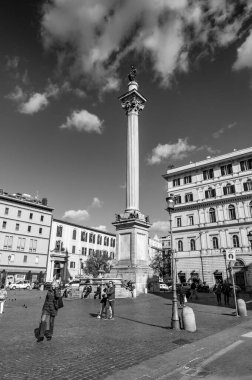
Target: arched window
236, 243
212, 215
215, 243
180, 246
74, 234
231, 212
192, 245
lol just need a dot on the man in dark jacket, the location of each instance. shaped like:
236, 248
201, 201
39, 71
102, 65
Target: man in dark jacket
49, 312
111, 299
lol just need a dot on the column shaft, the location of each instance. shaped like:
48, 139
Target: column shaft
132, 196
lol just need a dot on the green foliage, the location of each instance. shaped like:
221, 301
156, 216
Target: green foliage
161, 266
96, 262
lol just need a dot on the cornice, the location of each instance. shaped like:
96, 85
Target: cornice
212, 227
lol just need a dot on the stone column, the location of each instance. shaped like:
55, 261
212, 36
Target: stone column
133, 102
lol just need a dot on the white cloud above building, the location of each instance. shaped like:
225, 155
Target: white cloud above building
83, 121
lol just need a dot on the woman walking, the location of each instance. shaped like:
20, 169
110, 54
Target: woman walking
3, 296
49, 312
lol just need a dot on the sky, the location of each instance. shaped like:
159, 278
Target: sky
63, 65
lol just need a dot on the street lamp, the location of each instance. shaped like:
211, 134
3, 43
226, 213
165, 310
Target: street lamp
80, 266
225, 258
175, 318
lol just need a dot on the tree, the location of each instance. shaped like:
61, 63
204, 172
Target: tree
161, 264
96, 262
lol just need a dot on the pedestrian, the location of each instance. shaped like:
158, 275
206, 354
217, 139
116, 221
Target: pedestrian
226, 290
193, 291
111, 300
103, 305
217, 290
3, 296
181, 294
49, 312
98, 292
88, 291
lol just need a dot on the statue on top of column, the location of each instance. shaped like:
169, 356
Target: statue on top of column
132, 74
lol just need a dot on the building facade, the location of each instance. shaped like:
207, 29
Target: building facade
25, 228
213, 214
70, 246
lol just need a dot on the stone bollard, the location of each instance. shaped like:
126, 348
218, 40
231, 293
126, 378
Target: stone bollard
145, 290
188, 319
134, 293
242, 309
42, 287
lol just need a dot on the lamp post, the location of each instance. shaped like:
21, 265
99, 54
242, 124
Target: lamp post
175, 318
225, 258
80, 266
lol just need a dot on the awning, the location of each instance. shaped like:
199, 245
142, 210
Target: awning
22, 270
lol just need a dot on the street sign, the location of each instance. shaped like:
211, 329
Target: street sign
231, 255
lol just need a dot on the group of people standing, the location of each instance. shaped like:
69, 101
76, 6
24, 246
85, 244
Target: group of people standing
222, 288
107, 303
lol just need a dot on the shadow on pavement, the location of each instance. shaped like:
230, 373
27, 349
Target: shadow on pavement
144, 323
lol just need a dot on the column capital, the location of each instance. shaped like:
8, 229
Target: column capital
132, 101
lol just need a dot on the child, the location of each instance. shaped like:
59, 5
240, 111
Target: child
103, 305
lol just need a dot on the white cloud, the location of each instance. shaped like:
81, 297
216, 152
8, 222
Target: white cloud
12, 62
36, 103
244, 54
160, 228
222, 130
83, 121
96, 203
101, 227
17, 95
176, 151
78, 216
95, 36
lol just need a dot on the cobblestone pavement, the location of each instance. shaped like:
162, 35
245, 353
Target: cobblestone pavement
86, 348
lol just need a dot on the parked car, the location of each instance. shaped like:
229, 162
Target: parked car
163, 287
20, 285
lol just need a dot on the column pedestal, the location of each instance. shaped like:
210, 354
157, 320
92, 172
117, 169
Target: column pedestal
132, 250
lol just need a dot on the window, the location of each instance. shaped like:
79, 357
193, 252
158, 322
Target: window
29, 229
229, 189
176, 182
33, 245
19, 213
83, 236
6, 211
180, 246
192, 245
21, 244
250, 209
236, 243
90, 238
72, 264
179, 222
215, 243
31, 215
191, 221
99, 239
231, 212
58, 245
74, 234
187, 179
93, 238
247, 185
90, 251
208, 174
177, 199
188, 197
84, 251
8, 240
25, 259
41, 218
246, 165
73, 249
212, 215
105, 254
111, 242
59, 231
210, 193
226, 169
40, 230
17, 227
4, 224
36, 259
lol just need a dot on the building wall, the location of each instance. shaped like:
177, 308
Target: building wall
25, 227
199, 238
77, 250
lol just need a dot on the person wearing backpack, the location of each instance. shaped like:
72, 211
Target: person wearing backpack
217, 290
3, 296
